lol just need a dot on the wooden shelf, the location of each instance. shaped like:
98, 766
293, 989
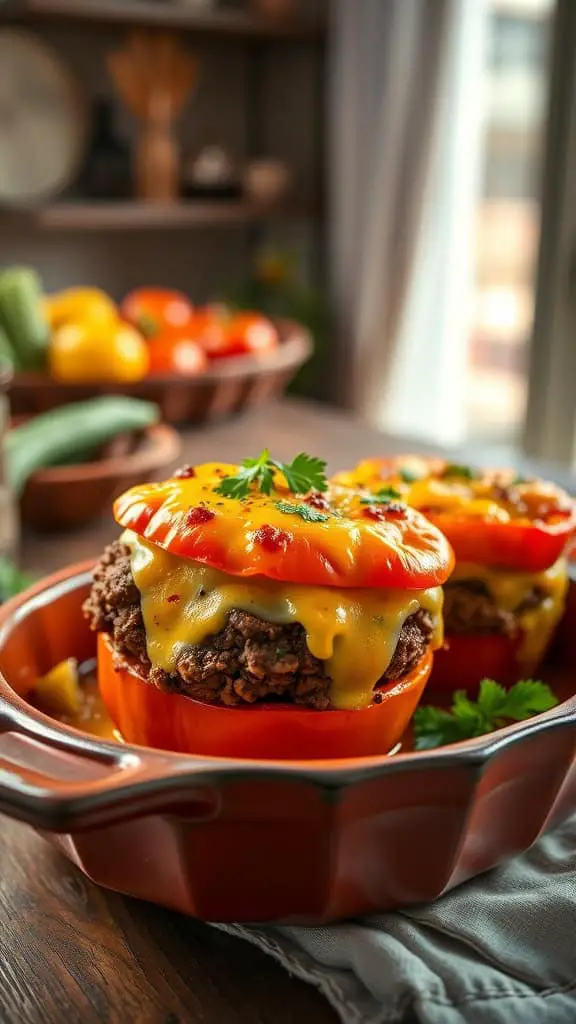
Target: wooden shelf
168, 14
134, 215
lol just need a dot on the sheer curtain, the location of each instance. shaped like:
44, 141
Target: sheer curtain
405, 127
550, 430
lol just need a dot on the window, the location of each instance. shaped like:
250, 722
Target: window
508, 214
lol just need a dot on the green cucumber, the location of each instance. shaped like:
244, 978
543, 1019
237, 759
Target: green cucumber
12, 579
7, 355
69, 431
22, 317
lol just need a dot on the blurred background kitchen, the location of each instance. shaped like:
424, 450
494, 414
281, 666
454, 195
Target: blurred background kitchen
395, 175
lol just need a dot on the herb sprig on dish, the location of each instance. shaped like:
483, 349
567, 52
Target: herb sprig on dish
305, 473
455, 469
382, 497
305, 512
495, 707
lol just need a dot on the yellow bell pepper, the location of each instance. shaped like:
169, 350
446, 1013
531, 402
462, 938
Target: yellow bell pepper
92, 352
80, 306
59, 690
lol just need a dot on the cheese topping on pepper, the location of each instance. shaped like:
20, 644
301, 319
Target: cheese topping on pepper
354, 631
338, 538
434, 485
509, 589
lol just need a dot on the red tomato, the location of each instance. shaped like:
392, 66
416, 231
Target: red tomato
347, 546
468, 658
204, 316
176, 353
232, 334
153, 310
168, 721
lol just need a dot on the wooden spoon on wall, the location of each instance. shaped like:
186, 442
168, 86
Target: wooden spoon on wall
154, 75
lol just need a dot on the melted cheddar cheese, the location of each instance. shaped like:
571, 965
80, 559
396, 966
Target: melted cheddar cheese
509, 589
333, 538
433, 485
354, 631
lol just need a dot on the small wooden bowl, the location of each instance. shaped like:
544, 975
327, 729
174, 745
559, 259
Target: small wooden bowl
68, 497
230, 386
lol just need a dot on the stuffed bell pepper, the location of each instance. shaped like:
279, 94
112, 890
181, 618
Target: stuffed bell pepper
253, 611
509, 535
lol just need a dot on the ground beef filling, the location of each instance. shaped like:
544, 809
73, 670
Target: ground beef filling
470, 608
248, 660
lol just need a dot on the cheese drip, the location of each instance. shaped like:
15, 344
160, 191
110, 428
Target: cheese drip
355, 632
508, 590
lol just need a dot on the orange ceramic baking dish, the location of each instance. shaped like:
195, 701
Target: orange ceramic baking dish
229, 839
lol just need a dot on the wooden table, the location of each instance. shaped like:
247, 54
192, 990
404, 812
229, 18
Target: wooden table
70, 951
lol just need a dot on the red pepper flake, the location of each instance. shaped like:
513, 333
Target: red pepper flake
173, 598
272, 538
197, 516
374, 512
318, 500
391, 510
395, 510
185, 473
548, 512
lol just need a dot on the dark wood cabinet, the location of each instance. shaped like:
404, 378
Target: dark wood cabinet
260, 94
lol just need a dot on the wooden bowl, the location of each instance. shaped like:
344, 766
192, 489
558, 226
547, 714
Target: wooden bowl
68, 497
230, 386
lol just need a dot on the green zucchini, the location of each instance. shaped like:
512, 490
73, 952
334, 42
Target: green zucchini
69, 431
22, 316
7, 354
12, 579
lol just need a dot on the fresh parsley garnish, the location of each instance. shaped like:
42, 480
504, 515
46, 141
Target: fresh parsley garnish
258, 471
305, 473
455, 469
308, 514
382, 497
519, 479
495, 707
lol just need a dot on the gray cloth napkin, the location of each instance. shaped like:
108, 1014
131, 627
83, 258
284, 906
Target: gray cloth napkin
499, 949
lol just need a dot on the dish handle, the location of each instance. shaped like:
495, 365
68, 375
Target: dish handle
61, 781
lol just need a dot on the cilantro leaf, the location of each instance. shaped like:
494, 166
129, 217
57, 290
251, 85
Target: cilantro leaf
494, 708
455, 469
382, 497
434, 727
252, 471
308, 514
234, 486
303, 474
492, 698
529, 697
